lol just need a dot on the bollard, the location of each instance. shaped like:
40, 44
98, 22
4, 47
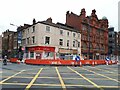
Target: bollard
93, 64
18, 62
106, 62
80, 64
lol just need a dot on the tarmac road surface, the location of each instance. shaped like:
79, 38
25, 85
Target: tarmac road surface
30, 77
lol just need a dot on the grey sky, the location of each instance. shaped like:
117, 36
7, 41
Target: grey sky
19, 12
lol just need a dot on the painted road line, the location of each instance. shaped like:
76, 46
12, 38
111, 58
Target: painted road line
49, 77
73, 78
17, 77
102, 70
85, 78
101, 75
33, 80
89, 86
47, 84
15, 84
11, 77
111, 87
61, 80
113, 69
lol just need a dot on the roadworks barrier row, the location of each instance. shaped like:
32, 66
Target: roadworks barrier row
64, 62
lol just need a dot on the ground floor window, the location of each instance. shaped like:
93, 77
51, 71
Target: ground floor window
48, 54
31, 54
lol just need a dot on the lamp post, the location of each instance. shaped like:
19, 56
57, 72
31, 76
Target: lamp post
19, 38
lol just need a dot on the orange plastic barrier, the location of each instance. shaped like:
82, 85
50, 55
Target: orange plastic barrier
13, 60
66, 62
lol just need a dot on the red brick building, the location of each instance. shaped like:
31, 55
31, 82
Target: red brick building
94, 33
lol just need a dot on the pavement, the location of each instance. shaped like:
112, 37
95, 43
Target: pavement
30, 77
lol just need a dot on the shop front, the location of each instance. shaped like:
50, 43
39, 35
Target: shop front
40, 52
63, 52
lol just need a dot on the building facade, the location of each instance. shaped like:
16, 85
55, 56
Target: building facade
94, 33
9, 43
118, 45
0, 46
112, 43
42, 39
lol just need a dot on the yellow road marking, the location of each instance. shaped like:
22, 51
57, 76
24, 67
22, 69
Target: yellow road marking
11, 76
17, 77
73, 78
61, 80
101, 75
110, 87
47, 84
102, 69
86, 78
112, 69
14, 83
58, 85
33, 80
49, 77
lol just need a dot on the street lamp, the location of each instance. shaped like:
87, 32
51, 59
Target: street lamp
19, 39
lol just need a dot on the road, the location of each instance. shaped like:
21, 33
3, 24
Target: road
29, 77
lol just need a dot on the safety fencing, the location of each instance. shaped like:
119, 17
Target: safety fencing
14, 60
64, 62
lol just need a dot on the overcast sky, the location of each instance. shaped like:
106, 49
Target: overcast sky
19, 12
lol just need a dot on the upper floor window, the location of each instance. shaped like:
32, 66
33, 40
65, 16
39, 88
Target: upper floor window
28, 40
33, 29
67, 43
61, 42
73, 34
78, 35
28, 30
61, 32
47, 40
83, 27
68, 33
78, 44
47, 28
33, 39
73, 43
23, 41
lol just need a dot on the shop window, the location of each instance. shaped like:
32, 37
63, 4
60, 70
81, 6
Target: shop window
27, 55
31, 54
49, 54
